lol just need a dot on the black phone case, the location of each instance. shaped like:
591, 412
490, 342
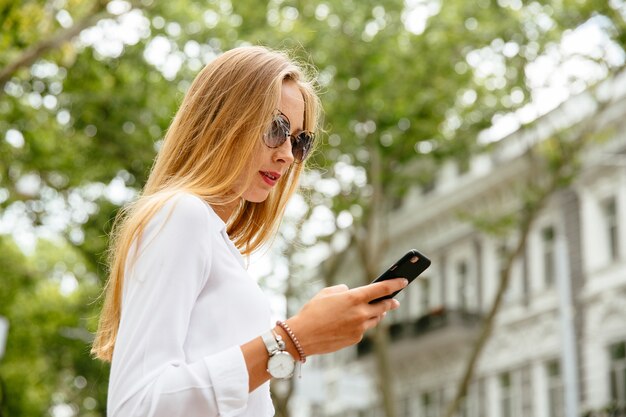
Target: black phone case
410, 266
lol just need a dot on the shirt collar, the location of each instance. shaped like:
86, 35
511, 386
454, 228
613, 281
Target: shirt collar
219, 225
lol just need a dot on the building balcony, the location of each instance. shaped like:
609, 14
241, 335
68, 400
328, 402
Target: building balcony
435, 330
611, 410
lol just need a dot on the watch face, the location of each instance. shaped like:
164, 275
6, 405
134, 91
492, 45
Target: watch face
281, 365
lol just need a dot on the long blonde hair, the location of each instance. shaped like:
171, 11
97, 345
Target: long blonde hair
205, 151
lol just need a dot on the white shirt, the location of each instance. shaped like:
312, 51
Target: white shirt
188, 304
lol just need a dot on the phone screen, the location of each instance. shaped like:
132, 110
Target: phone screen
410, 266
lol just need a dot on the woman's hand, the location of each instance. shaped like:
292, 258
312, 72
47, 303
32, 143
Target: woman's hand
337, 316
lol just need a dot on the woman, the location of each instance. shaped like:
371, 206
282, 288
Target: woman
187, 330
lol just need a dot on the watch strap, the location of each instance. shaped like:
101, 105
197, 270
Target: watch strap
271, 343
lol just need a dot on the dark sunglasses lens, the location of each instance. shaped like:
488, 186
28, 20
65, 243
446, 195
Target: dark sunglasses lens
278, 132
301, 145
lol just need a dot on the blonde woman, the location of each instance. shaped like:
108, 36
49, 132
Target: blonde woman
186, 329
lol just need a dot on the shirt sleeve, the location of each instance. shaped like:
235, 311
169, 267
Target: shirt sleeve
150, 375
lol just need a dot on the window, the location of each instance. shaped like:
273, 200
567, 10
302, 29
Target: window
548, 255
462, 285
374, 411
403, 313
464, 409
424, 295
481, 400
405, 406
429, 406
524, 389
469, 404
502, 250
366, 413
609, 210
318, 411
507, 396
618, 373
556, 404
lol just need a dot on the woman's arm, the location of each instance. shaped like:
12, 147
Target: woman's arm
335, 318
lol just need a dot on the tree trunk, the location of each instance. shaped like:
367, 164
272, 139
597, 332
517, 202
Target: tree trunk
281, 394
488, 323
383, 366
371, 250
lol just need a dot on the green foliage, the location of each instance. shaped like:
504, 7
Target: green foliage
47, 362
497, 226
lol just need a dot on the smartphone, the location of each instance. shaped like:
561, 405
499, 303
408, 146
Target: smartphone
410, 266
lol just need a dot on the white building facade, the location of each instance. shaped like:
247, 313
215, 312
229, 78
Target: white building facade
559, 343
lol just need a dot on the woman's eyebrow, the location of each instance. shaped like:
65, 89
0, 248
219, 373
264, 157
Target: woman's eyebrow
296, 129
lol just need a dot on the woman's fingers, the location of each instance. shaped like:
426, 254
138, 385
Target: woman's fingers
335, 289
383, 307
373, 322
376, 290
379, 312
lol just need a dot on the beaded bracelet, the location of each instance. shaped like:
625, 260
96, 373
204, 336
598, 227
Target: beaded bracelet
294, 339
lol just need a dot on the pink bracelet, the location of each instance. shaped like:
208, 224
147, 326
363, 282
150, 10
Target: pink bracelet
294, 339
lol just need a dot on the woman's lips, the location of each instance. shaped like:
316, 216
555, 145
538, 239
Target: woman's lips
270, 177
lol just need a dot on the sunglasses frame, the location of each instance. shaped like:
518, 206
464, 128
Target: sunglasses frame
283, 122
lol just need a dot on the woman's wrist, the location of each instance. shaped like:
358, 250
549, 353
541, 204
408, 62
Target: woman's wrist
294, 339
290, 346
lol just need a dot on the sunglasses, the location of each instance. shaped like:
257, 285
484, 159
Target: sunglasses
301, 143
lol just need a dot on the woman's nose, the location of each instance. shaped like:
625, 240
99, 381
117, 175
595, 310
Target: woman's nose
284, 152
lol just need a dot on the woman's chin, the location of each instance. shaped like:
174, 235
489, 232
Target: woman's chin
258, 196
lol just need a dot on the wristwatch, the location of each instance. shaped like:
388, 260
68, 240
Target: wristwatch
280, 364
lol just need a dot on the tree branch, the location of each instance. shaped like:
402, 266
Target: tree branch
32, 54
330, 267
489, 320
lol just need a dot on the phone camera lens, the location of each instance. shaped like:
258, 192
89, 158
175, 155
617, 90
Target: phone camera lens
414, 259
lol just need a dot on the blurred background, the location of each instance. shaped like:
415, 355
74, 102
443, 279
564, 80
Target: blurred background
487, 134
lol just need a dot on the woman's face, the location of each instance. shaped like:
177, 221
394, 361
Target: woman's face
270, 164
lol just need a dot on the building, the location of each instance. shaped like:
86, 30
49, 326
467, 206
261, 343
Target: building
559, 343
